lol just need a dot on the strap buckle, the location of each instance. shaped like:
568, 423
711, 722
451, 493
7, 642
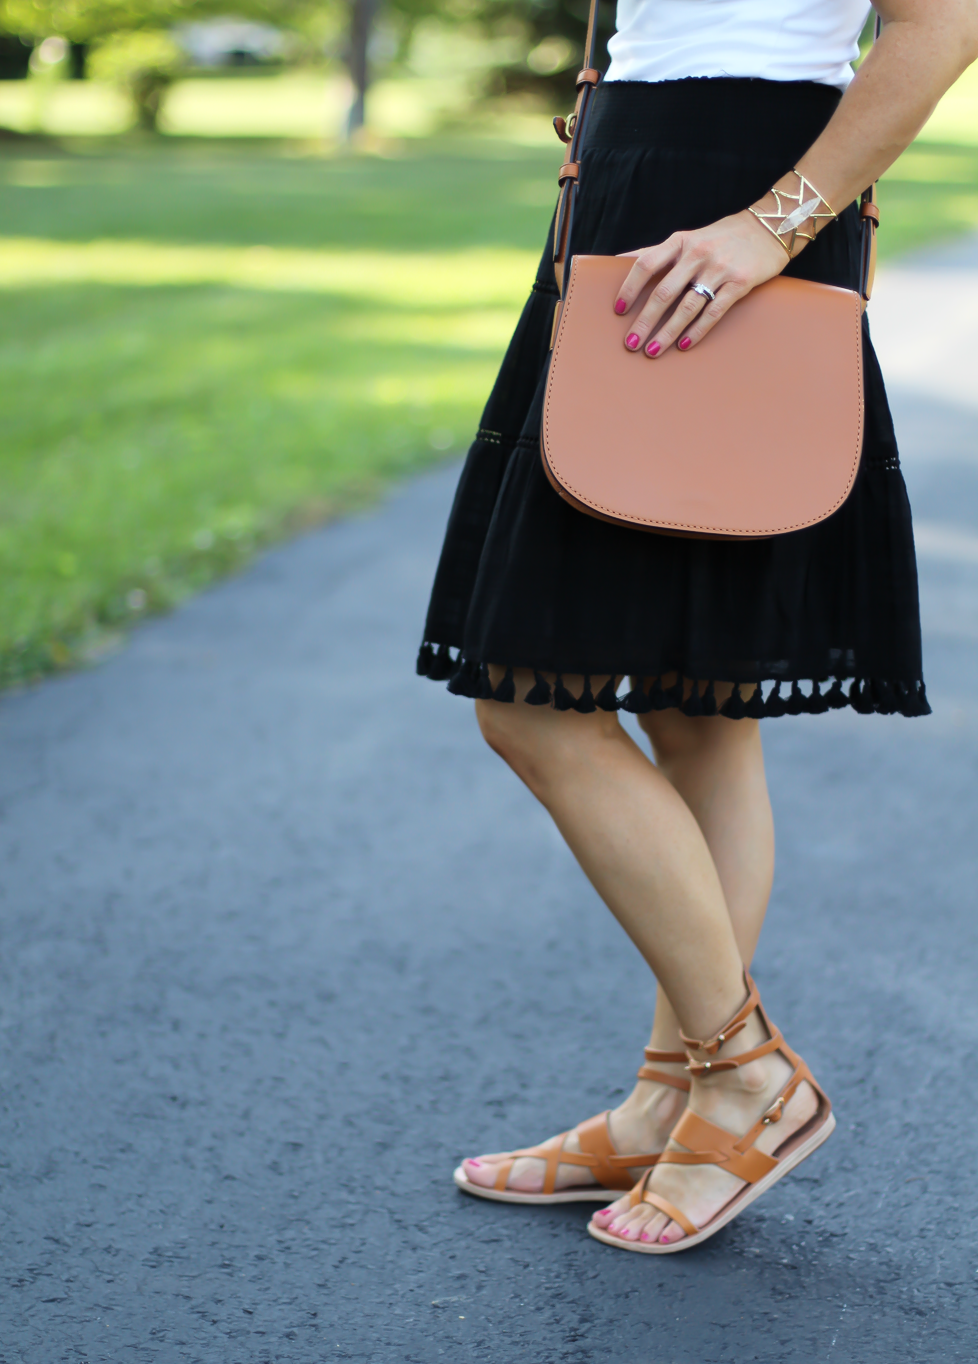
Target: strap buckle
775, 1113
564, 127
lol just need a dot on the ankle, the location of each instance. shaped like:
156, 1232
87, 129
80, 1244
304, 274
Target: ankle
757, 1079
750, 1034
756, 1082
651, 1102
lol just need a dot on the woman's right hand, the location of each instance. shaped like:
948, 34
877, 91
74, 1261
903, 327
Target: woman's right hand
730, 257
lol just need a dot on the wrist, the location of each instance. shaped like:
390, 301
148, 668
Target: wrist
793, 211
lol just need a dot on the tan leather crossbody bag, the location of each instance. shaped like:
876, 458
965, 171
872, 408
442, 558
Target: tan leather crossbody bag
754, 432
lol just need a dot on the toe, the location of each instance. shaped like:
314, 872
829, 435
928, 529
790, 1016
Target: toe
644, 1217
607, 1215
651, 1231
629, 1227
523, 1175
628, 1224
671, 1234
481, 1170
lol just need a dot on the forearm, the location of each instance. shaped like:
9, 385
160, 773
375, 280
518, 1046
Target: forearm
922, 50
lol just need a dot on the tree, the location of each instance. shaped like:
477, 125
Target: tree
553, 29
83, 21
555, 32
144, 63
362, 16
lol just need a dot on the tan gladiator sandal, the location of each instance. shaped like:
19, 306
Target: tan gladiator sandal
597, 1154
708, 1144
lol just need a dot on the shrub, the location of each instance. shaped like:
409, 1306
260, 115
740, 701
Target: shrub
144, 64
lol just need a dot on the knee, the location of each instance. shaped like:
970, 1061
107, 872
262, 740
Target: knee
543, 746
513, 735
678, 739
505, 730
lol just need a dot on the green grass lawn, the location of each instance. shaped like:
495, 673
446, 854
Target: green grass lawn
202, 348
205, 345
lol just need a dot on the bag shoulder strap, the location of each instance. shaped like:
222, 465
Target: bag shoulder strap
572, 132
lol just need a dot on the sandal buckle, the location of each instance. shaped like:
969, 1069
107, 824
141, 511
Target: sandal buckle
775, 1113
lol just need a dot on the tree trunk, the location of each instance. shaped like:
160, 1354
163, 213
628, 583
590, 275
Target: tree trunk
363, 13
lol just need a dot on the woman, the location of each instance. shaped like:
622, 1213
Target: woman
716, 118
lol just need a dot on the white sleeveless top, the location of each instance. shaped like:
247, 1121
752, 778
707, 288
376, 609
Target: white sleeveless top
779, 40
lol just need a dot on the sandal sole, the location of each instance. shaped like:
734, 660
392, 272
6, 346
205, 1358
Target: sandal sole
592, 1195
753, 1192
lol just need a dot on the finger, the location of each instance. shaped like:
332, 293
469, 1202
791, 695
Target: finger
727, 296
650, 261
671, 294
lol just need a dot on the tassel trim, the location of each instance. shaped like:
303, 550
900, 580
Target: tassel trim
866, 695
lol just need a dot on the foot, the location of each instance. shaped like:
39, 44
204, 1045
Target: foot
641, 1124
734, 1100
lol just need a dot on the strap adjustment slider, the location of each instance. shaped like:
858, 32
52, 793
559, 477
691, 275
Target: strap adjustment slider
775, 1113
869, 210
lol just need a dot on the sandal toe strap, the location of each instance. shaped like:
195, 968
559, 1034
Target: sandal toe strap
553, 1154
608, 1167
597, 1154
670, 1210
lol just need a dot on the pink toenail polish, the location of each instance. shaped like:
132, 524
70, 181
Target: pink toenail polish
685, 343
632, 340
620, 306
645, 1236
653, 348
605, 1212
476, 1163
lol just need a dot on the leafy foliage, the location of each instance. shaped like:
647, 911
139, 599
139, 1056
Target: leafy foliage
145, 64
83, 21
555, 31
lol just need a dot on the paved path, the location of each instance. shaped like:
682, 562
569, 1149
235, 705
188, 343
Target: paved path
282, 940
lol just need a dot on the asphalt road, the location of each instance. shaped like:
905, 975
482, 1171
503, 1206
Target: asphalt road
281, 940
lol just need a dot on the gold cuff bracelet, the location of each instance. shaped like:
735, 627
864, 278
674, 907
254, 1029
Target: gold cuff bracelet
793, 211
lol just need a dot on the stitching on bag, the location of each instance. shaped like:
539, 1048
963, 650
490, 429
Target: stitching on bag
689, 525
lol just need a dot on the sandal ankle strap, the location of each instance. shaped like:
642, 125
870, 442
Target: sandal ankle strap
736, 1024
651, 1071
712, 1045
774, 1043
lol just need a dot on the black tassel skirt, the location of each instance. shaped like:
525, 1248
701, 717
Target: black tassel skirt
527, 581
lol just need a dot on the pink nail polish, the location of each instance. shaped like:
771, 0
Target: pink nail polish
632, 340
685, 343
645, 1236
476, 1163
652, 348
620, 306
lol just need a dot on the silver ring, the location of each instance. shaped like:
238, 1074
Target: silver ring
704, 292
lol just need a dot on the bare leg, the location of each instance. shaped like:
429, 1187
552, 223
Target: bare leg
644, 1120
638, 842
717, 766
